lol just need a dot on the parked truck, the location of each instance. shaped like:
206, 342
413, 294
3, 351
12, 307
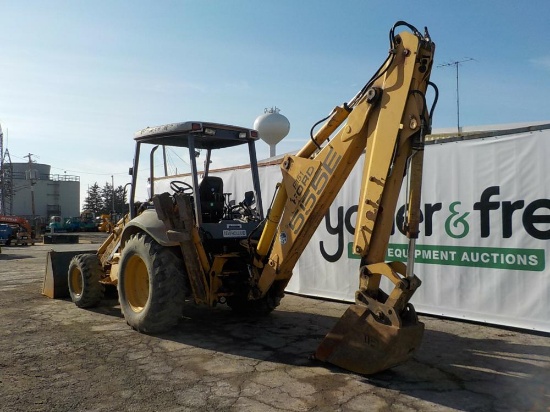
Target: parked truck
15, 230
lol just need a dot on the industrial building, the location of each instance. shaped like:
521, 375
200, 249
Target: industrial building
30, 190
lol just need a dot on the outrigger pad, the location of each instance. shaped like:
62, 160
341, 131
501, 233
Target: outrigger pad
56, 283
361, 344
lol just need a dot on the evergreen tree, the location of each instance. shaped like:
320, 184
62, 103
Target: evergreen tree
107, 197
100, 200
94, 200
120, 200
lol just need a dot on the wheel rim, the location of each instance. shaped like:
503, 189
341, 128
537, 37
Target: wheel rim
75, 280
136, 283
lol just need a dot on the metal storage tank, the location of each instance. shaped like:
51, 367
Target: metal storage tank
54, 194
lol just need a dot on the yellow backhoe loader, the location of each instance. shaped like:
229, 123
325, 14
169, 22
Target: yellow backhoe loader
193, 245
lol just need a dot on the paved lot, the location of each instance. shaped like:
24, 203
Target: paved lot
56, 357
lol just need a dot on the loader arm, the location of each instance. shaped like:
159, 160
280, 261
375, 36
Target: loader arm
388, 118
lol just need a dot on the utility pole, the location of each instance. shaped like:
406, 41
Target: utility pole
32, 179
456, 64
113, 183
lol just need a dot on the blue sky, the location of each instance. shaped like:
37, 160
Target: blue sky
78, 78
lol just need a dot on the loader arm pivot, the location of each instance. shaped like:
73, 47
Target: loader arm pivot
388, 118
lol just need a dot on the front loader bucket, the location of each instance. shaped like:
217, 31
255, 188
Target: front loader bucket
361, 344
55, 283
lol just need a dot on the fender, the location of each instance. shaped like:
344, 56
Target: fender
149, 223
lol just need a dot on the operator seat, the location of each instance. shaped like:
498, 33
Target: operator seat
211, 198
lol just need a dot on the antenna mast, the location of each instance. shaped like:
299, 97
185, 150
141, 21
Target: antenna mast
456, 64
2, 190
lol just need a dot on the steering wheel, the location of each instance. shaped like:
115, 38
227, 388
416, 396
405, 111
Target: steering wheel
180, 187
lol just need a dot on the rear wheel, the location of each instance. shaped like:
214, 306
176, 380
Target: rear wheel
151, 285
85, 272
263, 306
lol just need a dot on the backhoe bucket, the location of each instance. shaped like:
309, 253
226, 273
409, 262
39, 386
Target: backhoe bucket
362, 344
55, 283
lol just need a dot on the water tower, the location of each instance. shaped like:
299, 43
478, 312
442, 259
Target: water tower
273, 127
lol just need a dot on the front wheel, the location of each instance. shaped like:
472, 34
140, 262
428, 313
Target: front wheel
85, 272
151, 285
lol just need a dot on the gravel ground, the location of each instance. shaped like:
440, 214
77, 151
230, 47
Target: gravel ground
56, 357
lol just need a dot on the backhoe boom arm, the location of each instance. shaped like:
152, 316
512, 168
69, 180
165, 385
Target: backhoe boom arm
388, 119
384, 121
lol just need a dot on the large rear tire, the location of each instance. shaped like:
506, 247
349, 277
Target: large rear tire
151, 285
85, 272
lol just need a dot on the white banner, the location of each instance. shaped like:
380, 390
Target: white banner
484, 237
